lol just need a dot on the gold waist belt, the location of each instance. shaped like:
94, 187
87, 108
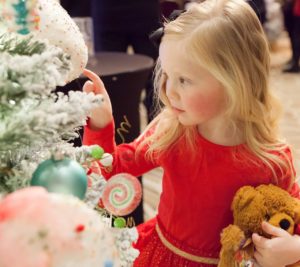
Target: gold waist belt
182, 253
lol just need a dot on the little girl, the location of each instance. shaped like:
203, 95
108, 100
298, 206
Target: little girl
215, 133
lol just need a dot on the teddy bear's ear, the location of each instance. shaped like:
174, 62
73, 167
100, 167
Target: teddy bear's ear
243, 197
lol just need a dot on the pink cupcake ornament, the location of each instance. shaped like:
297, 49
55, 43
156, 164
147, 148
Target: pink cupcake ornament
43, 229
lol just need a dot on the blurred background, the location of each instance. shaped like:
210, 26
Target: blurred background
120, 52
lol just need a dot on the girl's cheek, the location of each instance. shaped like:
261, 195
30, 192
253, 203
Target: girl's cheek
205, 104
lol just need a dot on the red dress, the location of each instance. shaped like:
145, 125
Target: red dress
198, 187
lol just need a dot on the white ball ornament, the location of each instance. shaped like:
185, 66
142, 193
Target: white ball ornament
60, 30
46, 20
106, 160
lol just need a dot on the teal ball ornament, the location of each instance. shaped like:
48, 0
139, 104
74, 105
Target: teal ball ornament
61, 176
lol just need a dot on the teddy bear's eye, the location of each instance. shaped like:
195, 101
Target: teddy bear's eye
267, 217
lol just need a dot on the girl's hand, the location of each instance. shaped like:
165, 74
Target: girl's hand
102, 115
283, 249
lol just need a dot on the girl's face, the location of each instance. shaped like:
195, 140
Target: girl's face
196, 97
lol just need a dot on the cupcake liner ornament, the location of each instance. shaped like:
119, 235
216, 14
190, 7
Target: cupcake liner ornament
61, 175
122, 194
54, 230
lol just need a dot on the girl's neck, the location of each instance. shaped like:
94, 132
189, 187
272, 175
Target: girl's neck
222, 133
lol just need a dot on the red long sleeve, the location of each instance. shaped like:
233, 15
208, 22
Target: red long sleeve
126, 158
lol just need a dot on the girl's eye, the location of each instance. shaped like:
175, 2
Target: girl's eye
182, 81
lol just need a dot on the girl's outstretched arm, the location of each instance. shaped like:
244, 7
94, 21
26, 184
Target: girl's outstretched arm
101, 116
100, 130
283, 249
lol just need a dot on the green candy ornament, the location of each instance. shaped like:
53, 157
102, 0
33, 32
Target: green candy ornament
61, 176
120, 222
97, 152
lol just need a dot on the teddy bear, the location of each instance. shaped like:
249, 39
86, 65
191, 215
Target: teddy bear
251, 206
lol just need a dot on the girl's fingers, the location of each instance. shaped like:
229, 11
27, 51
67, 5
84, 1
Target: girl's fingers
260, 241
274, 231
258, 257
88, 87
98, 84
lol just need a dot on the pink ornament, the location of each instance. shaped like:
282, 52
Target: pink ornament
51, 230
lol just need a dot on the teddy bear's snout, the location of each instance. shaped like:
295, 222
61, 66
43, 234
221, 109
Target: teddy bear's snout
284, 224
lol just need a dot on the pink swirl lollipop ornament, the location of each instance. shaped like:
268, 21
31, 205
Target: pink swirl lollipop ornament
122, 194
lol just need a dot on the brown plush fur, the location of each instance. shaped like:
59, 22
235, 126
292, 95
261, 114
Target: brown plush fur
251, 206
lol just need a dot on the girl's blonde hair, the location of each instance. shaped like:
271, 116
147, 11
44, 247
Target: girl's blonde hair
226, 37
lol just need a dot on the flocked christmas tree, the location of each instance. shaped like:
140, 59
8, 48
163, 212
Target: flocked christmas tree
34, 121
41, 48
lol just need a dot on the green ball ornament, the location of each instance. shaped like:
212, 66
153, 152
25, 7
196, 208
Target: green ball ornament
97, 152
61, 176
120, 222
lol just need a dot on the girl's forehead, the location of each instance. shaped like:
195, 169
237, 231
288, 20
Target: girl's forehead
174, 58
172, 52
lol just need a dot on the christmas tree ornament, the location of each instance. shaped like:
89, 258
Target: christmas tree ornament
106, 160
119, 222
61, 176
19, 15
49, 229
97, 152
122, 194
46, 20
60, 30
